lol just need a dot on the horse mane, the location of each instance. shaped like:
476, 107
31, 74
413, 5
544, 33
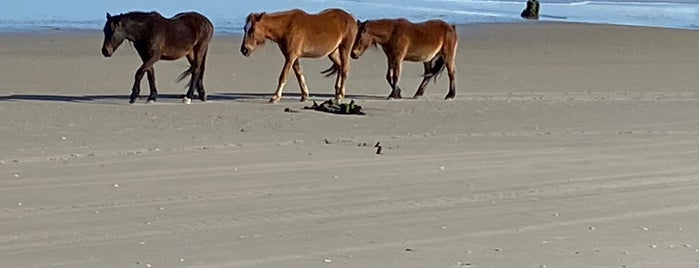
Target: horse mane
375, 45
137, 14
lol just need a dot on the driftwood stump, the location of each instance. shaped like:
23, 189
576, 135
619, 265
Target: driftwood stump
531, 12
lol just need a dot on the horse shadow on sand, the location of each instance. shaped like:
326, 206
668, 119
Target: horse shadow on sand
171, 98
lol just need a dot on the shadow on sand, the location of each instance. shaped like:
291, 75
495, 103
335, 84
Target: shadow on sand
116, 99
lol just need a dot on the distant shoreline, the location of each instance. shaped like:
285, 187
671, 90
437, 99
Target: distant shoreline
227, 32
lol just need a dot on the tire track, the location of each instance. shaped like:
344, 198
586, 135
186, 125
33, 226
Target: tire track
507, 195
450, 238
478, 162
294, 166
289, 188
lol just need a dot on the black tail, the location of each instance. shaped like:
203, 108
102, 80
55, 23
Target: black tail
184, 75
334, 69
438, 67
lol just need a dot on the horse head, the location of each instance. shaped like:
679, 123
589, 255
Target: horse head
114, 35
363, 40
254, 34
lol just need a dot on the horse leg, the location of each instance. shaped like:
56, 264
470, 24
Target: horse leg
282, 79
392, 77
425, 80
337, 68
136, 89
199, 82
389, 79
151, 83
450, 61
193, 70
200, 86
344, 71
302, 81
451, 70
190, 59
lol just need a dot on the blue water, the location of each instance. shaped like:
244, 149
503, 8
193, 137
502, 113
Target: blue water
228, 15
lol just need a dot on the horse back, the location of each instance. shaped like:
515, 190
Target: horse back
425, 39
431, 29
337, 13
179, 35
193, 23
184, 28
323, 32
333, 20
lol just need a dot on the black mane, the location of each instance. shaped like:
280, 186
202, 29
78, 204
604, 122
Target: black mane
136, 14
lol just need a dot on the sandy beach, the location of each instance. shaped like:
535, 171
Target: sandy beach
567, 145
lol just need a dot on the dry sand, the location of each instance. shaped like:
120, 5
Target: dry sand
568, 145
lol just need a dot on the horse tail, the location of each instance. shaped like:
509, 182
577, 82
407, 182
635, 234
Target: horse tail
183, 75
438, 67
332, 70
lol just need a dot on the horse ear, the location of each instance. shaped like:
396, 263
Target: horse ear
259, 17
362, 26
109, 16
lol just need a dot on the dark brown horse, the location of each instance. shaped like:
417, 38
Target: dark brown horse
157, 38
432, 42
299, 34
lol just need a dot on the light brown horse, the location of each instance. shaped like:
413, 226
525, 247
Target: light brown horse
157, 38
301, 35
432, 42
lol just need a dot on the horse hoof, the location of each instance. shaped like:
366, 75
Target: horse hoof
150, 101
273, 100
186, 100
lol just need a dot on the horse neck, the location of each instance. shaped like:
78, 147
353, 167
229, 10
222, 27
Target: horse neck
137, 28
275, 26
381, 30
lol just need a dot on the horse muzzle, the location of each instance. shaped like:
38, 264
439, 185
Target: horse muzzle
245, 51
107, 52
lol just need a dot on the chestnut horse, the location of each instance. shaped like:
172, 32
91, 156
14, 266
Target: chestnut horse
157, 38
301, 35
432, 42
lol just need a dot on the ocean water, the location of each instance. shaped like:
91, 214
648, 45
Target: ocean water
228, 15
